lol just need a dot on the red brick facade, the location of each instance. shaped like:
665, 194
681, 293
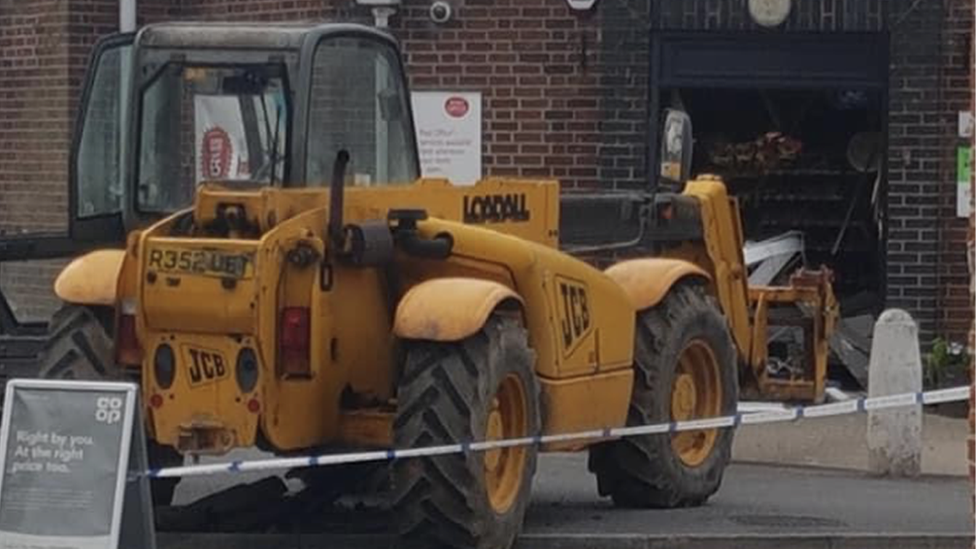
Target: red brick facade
35, 104
971, 451
541, 103
931, 70
564, 96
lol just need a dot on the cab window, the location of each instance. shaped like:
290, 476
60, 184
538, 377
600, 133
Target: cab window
359, 103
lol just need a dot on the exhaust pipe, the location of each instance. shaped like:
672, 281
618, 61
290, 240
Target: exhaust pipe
336, 193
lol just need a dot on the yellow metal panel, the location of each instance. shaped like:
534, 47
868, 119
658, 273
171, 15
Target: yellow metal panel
723, 242
585, 403
91, 279
199, 285
580, 322
540, 274
282, 284
366, 428
522, 207
647, 281
197, 401
128, 279
360, 322
412, 271
448, 309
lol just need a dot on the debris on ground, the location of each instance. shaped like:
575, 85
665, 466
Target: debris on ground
770, 259
851, 346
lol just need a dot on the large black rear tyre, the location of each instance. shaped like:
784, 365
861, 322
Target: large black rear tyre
685, 368
79, 347
483, 387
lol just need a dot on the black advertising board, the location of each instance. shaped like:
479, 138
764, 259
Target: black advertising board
71, 454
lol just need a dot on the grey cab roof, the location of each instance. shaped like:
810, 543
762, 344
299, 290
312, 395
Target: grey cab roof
262, 36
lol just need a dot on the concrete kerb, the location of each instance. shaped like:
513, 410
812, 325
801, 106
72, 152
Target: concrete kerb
587, 541
745, 541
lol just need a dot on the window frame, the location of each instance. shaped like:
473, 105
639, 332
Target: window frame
137, 123
105, 227
309, 50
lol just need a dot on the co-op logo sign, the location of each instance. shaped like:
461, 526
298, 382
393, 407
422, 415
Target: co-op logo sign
108, 409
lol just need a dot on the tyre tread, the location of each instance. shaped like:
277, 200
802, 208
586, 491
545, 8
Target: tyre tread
634, 471
435, 498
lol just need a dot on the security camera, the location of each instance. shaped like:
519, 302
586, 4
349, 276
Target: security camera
440, 12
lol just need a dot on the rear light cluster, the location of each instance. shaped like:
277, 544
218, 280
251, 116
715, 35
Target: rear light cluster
294, 337
246, 371
164, 366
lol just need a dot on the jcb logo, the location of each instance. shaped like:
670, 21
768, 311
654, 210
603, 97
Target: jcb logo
206, 366
108, 410
574, 312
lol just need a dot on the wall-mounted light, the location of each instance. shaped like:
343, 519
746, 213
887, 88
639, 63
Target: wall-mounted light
581, 5
769, 13
382, 10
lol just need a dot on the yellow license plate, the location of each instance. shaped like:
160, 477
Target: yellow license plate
205, 262
204, 366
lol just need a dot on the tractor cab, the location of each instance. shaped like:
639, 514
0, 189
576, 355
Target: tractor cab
176, 106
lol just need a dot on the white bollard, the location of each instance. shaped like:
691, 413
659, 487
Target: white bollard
894, 436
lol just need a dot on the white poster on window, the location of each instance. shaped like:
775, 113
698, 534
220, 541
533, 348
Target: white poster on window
449, 134
965, 124
221, 149
964, 180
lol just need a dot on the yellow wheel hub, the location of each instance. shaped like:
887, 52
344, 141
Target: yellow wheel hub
504, 467
696, 393
493, 458
683, 397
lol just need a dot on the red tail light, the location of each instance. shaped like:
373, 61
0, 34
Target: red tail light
293, 341
127, 348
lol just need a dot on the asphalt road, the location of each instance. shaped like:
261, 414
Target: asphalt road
760, 499
754, 499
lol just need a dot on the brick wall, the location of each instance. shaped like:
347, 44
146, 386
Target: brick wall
926, 257
35, 94
264, 10
34, 104
956, 304
531, 61
564, 96
971, 249
624, 79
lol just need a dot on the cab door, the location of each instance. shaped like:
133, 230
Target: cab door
95, 182
94, 210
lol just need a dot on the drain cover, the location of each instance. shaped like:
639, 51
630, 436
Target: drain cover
787, 521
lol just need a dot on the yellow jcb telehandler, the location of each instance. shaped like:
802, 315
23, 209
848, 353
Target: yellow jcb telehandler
285, 279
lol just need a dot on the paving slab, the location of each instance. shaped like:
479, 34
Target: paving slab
840, 442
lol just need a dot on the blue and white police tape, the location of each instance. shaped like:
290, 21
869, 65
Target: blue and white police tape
850, 406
